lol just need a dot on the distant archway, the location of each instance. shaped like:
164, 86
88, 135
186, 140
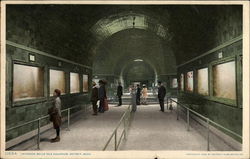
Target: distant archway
138, 70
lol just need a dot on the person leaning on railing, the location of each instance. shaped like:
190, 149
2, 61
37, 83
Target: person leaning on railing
55, 114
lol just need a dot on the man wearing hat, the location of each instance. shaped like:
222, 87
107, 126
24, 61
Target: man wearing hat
101, 95
138, 95
119, 93
161, 95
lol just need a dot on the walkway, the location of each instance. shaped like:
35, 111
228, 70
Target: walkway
152, 129
86, 132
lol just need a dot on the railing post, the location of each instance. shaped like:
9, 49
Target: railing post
208, 148
126, 122
167, 102
125, 127
129, 115
171, 107
38, 133
177, 110
68, 119
187, 119
85, 109
115, 139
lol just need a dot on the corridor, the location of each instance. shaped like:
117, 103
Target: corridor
68, 57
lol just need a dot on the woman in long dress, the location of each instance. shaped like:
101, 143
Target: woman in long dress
144, 94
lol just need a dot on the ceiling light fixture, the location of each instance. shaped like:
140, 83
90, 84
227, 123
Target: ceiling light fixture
133, 22
138, 60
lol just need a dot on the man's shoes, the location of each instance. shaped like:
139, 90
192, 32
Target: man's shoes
53, 139
94, 114
57, 139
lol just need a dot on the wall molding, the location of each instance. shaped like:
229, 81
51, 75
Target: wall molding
23, 47
169, 74
105, 75
234, 40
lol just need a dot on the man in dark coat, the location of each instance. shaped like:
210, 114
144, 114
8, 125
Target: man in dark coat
119, 93
101, 95
138, 95
161, 95
94, 98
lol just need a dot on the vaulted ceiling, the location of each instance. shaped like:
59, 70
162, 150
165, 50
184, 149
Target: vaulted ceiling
81, 30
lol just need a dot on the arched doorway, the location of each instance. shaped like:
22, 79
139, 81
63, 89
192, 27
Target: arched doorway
138, 71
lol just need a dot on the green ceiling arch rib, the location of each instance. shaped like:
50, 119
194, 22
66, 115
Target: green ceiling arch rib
110, 25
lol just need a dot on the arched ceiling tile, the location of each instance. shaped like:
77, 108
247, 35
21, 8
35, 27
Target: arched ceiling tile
108, 26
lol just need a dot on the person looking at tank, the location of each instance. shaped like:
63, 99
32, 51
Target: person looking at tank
55, 114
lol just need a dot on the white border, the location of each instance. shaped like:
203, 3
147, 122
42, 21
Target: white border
140, 154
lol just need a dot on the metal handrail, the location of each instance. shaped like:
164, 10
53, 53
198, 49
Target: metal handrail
43, 117
125, 119
226, 129
208, 121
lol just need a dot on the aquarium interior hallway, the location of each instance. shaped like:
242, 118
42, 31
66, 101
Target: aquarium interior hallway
195, 51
